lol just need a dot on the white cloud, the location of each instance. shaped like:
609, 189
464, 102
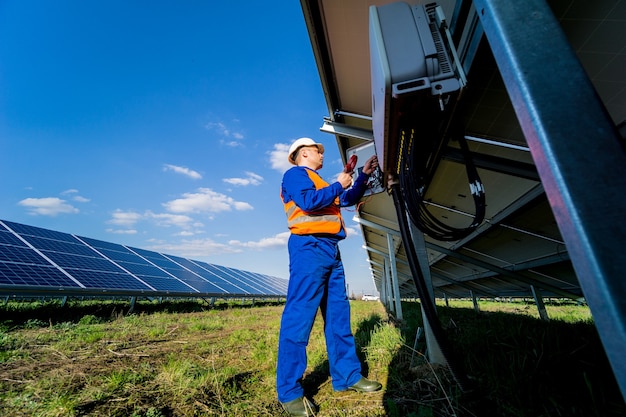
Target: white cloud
278, 157
48, 206
242, 206
185, 233
122, 231
352, 231
276, 241
205, 201
125, 218
228, 136
250, 179
195, 248
182, 170
218, 127
167, 219
77, 198
129, 219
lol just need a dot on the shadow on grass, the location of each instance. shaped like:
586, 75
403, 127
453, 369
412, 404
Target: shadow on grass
321, 373
521, 367
52, 312
313, 381
363, 335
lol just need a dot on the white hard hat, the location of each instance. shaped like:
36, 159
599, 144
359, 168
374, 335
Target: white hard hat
299, 143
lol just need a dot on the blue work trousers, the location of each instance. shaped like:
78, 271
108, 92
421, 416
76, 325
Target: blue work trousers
316, 280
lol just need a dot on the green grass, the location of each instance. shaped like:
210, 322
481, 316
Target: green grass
185, 358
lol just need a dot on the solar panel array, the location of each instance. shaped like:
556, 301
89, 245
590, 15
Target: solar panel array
34, 260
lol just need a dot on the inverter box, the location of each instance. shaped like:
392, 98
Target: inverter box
413, 65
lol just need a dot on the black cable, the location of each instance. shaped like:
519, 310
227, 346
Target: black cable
425, 299
417, 161
414, 182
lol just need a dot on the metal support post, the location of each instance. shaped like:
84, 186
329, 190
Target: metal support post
541, 307
474, 301
383, 285
577, 150
435, 355
418, 337
387, 287
394, 276
390, 269
383, 282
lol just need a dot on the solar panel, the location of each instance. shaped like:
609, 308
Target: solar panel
278, 283
25, 275
167, 265
236, 279
23, 266
180, 272
209, 282
60, 246
216, 277
37, 260
106, 280
270, 283
8, 238
25, 230
101, 244
252, 281
22, 254
263, 282
157, 278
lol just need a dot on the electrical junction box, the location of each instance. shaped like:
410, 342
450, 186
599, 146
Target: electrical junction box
363, 152
415, 72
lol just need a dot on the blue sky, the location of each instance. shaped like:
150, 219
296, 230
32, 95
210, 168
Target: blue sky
162, 125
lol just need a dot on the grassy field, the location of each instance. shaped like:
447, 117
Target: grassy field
184, 358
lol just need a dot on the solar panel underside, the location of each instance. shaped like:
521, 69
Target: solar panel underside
39, 260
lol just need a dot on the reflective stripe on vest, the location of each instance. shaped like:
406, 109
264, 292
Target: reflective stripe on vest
326, 220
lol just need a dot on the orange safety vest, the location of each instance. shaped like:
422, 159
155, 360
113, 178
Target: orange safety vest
326, 220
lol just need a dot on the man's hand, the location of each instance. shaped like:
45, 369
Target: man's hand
345, 180
370, 165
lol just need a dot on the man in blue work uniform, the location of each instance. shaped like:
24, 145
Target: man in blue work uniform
316, 276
